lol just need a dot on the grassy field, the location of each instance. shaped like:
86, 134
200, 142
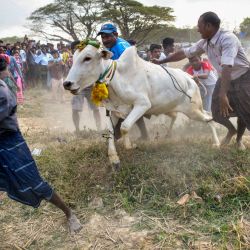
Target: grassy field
177, 193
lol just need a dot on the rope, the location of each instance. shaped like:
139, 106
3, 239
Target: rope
173, 81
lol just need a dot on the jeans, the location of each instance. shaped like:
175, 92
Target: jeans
207, 99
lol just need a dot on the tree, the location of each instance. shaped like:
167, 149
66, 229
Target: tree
65, 20
75, 19
12, 39
135, 20
245, 26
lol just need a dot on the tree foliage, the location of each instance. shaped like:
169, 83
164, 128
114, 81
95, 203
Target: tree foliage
74, 19
135, 20
11, 39
245, 26
66, 19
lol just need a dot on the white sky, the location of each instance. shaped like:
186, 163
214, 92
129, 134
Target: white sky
232, 12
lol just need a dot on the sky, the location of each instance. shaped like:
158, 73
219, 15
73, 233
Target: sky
187, 12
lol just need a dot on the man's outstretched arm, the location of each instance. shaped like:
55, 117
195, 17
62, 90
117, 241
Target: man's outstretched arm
174, 57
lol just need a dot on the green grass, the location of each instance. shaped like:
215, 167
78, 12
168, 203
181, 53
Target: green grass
152, 179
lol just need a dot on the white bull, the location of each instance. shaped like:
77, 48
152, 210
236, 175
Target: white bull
137, 88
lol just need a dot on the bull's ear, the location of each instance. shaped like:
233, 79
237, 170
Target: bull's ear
106, 54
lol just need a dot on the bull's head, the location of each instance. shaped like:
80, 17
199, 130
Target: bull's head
88, 65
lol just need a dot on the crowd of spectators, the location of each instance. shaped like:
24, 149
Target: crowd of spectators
29, 63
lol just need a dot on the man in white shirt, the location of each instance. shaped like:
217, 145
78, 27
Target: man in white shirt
231, 95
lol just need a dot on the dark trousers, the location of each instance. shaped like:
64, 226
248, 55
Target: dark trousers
239, 99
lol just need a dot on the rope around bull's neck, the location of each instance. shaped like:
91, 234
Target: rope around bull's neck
108, 74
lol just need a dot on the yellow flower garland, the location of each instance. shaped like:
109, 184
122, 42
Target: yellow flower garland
99, 93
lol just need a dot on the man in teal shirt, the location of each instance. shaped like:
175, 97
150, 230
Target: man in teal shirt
117, 46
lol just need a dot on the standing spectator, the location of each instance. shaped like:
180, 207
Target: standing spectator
19, 80
50, 47
66, 58
202, 72
155, 51
31, 66
14, 69
8, 49
23, 56
42, 65
5, 75
23, 52
56, 70
168, 47
49, 58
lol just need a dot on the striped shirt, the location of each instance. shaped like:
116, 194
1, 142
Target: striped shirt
223, 49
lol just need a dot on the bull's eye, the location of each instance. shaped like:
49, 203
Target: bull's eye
86, 59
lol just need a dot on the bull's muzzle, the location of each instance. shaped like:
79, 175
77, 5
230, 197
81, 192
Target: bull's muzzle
73, 88
67, 85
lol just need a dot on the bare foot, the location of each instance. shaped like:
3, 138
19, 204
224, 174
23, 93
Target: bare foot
226, 140
74, 224
240, 146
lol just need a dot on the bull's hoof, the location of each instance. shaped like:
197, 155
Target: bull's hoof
216, 146
116, 166
124, 129
143, 138
169, 134
130, 146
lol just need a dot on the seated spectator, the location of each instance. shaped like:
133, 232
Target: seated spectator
202, 72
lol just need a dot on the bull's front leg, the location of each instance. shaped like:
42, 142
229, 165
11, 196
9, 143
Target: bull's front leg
139, 109
112, 120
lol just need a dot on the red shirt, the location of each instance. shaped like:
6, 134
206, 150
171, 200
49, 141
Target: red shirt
204, 66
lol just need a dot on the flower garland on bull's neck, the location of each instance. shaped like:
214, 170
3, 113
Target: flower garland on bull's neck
100, 89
